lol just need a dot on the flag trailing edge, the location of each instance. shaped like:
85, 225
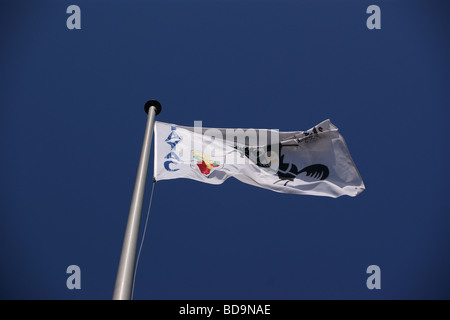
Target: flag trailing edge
312, 162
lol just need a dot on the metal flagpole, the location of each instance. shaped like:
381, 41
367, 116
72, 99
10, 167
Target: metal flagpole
125, 272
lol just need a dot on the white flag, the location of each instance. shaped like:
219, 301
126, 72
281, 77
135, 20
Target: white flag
313, 162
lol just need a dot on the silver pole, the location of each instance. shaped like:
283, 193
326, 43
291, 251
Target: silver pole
125, 272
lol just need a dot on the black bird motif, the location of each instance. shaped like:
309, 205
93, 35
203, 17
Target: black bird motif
289, 171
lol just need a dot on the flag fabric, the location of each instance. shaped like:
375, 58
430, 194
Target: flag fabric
312, 162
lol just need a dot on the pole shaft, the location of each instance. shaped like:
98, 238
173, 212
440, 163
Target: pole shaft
125, 273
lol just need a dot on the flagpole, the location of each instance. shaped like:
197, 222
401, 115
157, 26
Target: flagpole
125, 272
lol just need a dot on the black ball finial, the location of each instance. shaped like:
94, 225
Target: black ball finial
152, 103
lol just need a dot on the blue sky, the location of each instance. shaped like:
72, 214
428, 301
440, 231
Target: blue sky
72, 123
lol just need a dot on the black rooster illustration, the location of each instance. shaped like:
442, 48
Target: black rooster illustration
288, 171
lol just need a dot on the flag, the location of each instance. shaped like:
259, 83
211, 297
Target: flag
312, 162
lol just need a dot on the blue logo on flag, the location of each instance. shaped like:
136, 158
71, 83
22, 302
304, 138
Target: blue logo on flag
172, 158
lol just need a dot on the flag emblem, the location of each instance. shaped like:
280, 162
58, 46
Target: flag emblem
172, 158
204, 163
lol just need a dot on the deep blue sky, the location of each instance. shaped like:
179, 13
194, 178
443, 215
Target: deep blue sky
72, 125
